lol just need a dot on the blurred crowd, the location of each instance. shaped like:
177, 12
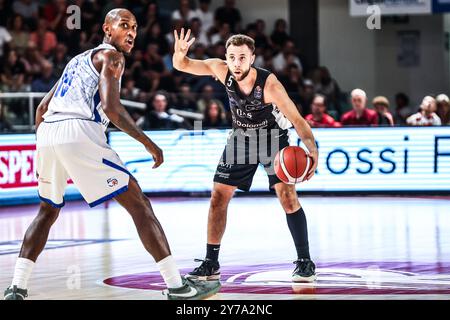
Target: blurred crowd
35, 46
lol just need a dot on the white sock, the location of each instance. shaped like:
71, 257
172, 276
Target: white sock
170, 273
22, 273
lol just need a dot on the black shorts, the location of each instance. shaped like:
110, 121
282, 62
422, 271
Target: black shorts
243, 154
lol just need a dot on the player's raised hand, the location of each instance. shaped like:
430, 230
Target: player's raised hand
182, 42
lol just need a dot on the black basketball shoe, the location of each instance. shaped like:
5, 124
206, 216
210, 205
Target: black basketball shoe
305, 271
207, 271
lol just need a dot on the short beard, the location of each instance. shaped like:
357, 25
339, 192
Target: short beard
244, 75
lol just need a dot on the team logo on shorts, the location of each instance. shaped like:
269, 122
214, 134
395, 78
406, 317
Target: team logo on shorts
258, 92
112, 182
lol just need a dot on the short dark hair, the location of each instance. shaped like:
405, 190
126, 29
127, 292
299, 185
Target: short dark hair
240, 40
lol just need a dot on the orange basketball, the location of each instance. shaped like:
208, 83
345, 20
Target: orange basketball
292, 164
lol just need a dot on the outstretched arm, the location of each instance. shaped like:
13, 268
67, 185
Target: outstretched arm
112, 67
209, 67
275, 93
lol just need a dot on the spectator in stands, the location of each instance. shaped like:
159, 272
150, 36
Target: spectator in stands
154, 35
206, 98
329, 87
205, 15
186, 99
12, 73
360, 115
306, 96
230, 15
44, 39
158, 116
443, 109
55, 13
197, 32
426, 116
59, 59
129, 91
213, 117
223, 34
28, 9
264, 59
402, 108
292, 81
5, 40
33, 62
184, 12
46, 81
279, 35
261, 38
149, 15
319, 117
20, 37
286, 57
381, 106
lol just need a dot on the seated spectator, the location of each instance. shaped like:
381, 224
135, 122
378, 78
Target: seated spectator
292, 81
44, 39
443, 109
261, 39
20, 37
206, 98
185, 99
59, 59
158, 116
426, 116
360, 115
46, 81
279, 35
381, 105
319, 117
154, 35
213, 117
223, 34
230, 15
28, 9
197, 32
205, 15
307, 93
129, 91
33, 62
402, 108
184, 12
328, 86
12, 73
285, 57
5, 125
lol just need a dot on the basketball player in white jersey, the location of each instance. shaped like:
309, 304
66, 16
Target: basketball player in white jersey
71, 143
261, 110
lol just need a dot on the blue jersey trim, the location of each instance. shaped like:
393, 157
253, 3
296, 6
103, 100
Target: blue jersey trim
115, 166
108, 197
55, 205
69, 119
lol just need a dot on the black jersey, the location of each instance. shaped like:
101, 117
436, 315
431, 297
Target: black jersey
250, 112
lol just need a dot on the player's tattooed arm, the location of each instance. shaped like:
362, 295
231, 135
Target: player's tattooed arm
112, 66
43, 106
275, 93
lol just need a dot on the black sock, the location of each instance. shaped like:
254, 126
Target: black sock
299, 230
212, 251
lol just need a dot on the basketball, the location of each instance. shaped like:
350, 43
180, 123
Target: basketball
292, 164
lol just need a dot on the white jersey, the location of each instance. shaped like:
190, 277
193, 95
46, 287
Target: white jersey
77, 94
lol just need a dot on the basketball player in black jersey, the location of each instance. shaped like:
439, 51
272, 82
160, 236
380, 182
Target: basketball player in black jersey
261, 109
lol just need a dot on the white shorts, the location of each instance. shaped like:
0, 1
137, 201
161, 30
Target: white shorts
77, 149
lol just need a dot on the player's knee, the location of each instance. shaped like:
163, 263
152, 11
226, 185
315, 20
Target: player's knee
289, 202
47, 211
220, 198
